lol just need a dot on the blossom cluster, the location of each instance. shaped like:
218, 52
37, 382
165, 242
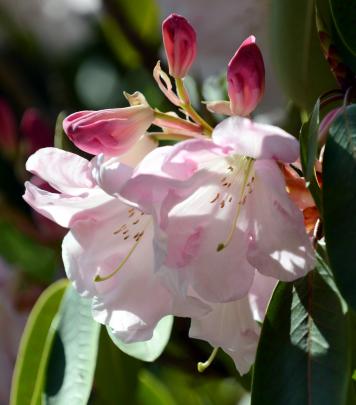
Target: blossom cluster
203, 228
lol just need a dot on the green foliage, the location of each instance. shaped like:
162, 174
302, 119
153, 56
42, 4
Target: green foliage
30, 369
343, 16
298, 60
149, 350
72, 362
133, 36
116, 374
303, 355
61, 140
308, 154
31, 257
308, 143
339, 199
153, 392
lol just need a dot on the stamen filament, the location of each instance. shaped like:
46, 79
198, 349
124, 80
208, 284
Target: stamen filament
98, 278
241, 201
202, 366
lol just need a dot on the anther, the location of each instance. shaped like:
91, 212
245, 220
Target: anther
222, 204
215, 199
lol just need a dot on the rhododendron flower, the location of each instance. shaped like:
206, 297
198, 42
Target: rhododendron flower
232, 325
245, 81
113, 131
100, 251
223, 211
179, 40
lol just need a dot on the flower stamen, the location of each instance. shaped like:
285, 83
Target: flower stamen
137, 238
245, 189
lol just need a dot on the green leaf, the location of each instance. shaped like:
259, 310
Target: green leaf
309, 143
343, 15
152, 392
339, 200
73, 358
32, 258
303, 354
298, 60
116, 374
133, 36
61, 140
36, 341
151, 349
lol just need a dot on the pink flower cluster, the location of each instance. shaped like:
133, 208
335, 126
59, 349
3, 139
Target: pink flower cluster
201, 229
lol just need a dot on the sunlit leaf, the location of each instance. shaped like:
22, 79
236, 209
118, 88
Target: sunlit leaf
151, 349
35, 346
72, 362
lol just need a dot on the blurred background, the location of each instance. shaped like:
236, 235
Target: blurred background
59, 56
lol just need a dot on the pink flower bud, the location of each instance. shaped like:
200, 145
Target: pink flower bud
179, 40
8, 136
246, 78
112, 131
35, 131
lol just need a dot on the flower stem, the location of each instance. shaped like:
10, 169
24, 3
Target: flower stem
188, 108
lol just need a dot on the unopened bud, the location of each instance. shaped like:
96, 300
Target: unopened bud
246, 78
179, 40
112, 131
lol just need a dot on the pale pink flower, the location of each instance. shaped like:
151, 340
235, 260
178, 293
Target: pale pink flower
179, 40
113, 131
232, 325
245, 81
223, 211
108, 252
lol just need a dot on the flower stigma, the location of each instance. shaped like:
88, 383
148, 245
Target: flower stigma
202, 366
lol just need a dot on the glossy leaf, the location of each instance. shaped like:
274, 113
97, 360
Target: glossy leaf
308, 143
73, 357
339, 195
303, 355
35, 345
302, 70
151, 349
